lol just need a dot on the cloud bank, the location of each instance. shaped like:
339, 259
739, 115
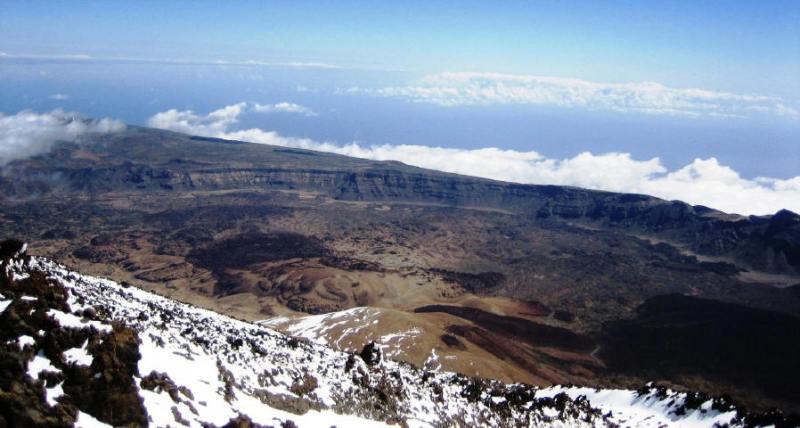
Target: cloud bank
215, 123
704, 181
219, 121
471, 88
28, 133
284, 108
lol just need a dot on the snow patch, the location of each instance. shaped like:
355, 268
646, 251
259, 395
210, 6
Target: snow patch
24, 341
71, 321
78, 356
630, 409
40, 364
51, 394
86, 420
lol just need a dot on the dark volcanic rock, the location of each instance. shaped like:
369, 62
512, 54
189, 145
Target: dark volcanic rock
110, 393
783, 236
105, 390
519, 328
371, 354
99, 254
248, 249
10, 248
452, 342
475, 282
565, 316
245, 250
675, 335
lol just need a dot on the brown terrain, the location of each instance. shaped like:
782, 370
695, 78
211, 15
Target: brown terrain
536, 284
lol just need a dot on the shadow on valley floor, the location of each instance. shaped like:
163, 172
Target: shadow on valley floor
533, 333
678, 337
245, 250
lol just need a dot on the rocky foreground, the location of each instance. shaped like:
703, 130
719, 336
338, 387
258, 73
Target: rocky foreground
82, 351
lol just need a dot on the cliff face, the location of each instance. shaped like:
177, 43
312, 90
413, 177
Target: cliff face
143, 160
767, 243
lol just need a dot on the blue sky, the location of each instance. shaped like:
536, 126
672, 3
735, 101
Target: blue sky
679, 81
744, 46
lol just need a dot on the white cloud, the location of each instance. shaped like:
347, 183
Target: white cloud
704, 181
309, 64
28, 133
472, 88
59, 97
218, 121
283, 107
214, 123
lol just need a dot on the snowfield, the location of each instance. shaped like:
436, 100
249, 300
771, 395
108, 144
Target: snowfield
337, 328
199, 368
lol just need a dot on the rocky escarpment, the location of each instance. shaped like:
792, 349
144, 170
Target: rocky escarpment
767, 243
145, 160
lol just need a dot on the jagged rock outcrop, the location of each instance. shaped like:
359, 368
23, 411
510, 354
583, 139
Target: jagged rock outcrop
77, 348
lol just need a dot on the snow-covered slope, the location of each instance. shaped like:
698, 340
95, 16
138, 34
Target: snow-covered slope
84, 351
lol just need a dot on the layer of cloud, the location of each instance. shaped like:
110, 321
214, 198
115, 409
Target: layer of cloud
28, 133
704, 181
219, 121
215, 123
283, 107
59, 97
469, 88
297, 65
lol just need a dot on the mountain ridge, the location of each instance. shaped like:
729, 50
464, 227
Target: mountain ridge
261, 232
146, 168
